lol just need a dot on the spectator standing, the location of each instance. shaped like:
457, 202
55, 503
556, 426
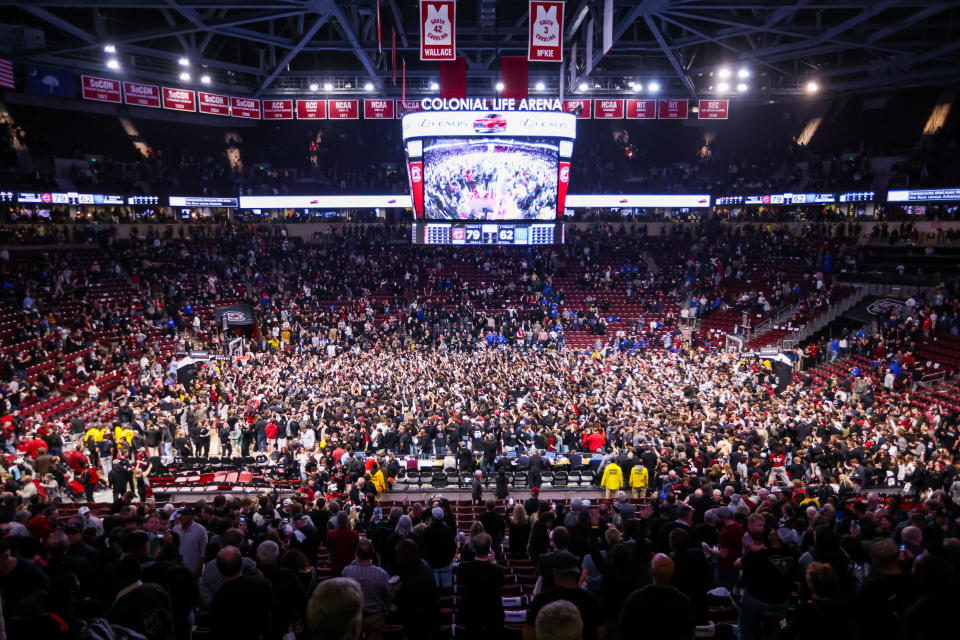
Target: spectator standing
240, 593
659, 609
480, 580
440, 547
342, 543
193, 540
566, 575
375, 584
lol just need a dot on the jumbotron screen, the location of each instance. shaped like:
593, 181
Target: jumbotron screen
491, 179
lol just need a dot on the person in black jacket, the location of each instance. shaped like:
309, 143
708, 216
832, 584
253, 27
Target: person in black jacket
476, 487
479, 581
440, 547
417, 600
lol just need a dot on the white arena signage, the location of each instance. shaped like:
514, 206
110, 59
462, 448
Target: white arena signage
488, 104
542, 124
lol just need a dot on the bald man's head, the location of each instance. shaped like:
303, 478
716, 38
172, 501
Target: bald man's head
229, 562
661, 570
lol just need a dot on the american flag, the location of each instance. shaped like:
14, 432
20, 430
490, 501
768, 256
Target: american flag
6, 74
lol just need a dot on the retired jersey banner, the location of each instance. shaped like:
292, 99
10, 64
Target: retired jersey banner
311, 109
141, 95
100, 89
713, 109
562, 186
378, 109
179, 99
579, 107
245, 108
673, 110
437, 25
608, 109
546, 31
641, 109
213, 103
278, 109
407, 106
343, 109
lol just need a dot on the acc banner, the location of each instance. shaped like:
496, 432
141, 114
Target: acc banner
141, 95
343, 109
311, 109
101, 89
213, 103
437, 24
278, 109
546, 31
179, 99
381, 109
245, 108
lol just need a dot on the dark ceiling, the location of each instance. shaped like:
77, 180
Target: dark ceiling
273, 47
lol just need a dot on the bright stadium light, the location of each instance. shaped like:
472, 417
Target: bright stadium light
113, 63
434, 86
499, 86
185, 76
723, 87
328, 86
653, 87
741, 87
314, 86
584, 86
184, 62
813, 87
205, 79
743, 73
724, 73
540, 86
368, 86
109, 48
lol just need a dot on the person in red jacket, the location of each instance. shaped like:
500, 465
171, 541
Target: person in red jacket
342, 544
271, 432
77, 460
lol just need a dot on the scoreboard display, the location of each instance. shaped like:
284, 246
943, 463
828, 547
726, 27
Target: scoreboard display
444, 233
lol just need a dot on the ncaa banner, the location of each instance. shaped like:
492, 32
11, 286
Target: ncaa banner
546, 31
437, 24
378, 109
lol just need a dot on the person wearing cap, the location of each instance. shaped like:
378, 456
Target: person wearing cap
193, 540
566, 576
440, 547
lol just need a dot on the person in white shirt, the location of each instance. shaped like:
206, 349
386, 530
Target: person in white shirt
888, 380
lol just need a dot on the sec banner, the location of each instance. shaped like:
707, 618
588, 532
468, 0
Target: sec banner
311, 109
100, 89
641, 109
546, 31
179, 99
141, 95
378, 109
579, 107
673, 110
245, 108
713, 109
278, 109
608, 109
437, 25
213, 103
344, 109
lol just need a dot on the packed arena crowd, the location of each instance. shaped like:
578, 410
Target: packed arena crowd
464, 180
803, 498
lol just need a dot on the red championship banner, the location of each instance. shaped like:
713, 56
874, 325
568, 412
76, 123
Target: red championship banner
278, 109
179, 99
437, 25
562, 187
407, 106
141, 95
378, 109
608, 109
311, 109
572, 106
213, 103
713, 109
673, 110
641, 109
343, 109
100, 89
546, 31
416, 186
245, 108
